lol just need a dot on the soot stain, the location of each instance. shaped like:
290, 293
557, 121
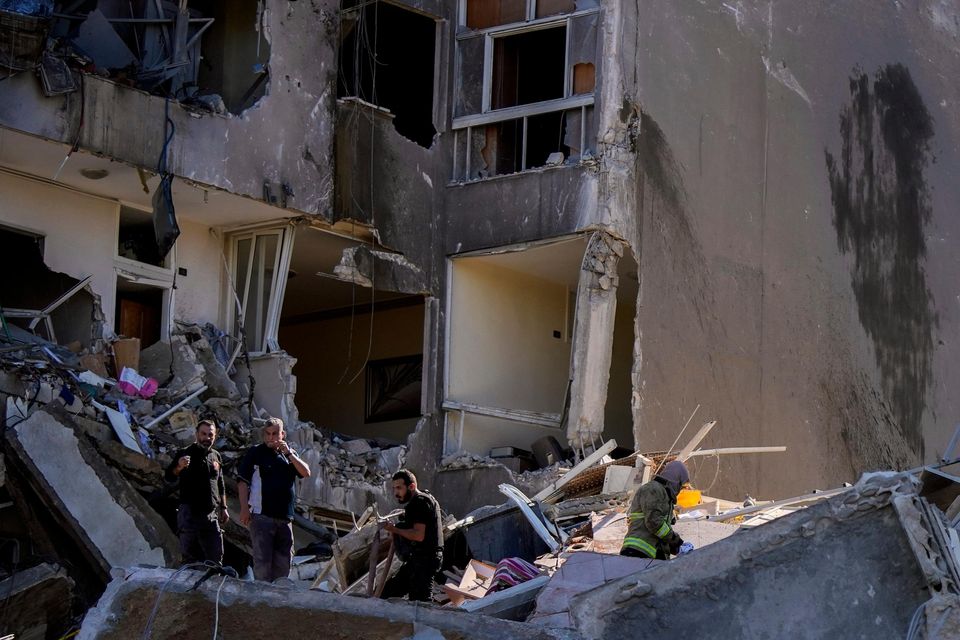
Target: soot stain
881, 206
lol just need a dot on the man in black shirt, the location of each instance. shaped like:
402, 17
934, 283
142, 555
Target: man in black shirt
267, 474
203, 501
418, 540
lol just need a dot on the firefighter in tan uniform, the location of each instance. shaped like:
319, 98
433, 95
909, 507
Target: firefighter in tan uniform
650, 534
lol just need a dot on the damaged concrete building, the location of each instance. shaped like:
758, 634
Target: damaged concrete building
487, 231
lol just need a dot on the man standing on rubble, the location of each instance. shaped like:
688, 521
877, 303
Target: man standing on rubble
649, 534
418, 540
203, 498
267, 477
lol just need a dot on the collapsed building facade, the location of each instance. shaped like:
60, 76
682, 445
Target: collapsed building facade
477, 224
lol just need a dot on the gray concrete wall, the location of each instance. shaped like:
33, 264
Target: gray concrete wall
285, 138
793, 205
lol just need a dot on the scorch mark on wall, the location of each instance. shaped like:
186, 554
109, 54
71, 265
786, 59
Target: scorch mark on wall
881, 206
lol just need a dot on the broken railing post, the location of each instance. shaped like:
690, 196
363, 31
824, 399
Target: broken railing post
593, 338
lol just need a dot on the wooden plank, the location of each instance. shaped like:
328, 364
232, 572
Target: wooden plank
696, 440
810, 497
585, 464
736, 450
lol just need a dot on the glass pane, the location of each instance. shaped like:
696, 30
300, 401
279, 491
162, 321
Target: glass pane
261, 284
470, 77
241, 266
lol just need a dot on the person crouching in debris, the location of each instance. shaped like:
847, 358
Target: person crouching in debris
203, 499
267, 477
418, 540
649, 534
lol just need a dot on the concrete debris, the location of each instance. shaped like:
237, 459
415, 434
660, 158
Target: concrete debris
257, 610
96, 506
36, 601
466, 460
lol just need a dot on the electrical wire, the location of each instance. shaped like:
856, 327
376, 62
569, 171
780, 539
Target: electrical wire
216, 609
156, 605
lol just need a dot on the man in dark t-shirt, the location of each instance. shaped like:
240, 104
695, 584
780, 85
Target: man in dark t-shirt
418, 540
203, 503
267, 477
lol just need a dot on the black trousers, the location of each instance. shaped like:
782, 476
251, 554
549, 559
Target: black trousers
414, 579
634, 553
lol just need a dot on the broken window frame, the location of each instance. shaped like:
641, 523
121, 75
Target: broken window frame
147, 274
266, 341
531, 14
465, 124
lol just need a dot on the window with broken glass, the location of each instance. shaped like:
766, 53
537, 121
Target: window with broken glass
524, 94
258, 259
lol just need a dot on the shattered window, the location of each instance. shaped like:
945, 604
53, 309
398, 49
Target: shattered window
524, 94
255, 267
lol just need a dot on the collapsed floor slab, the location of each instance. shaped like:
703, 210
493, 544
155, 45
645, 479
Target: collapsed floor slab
258, 610
847, 566
94, 504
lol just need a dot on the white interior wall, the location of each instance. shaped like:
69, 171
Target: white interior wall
502, 352
80, 231
198, 293
80, 239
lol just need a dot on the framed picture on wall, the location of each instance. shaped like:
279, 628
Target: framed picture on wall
393, 388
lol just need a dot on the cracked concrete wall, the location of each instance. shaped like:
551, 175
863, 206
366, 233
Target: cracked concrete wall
791, 198
284, 138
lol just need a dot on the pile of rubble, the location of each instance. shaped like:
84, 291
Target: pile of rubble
87, 434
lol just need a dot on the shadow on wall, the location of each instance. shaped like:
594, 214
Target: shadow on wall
881, 207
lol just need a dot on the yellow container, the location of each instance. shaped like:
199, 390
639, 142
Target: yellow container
688, 498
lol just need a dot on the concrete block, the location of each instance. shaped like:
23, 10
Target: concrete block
258, 610
355, 446
112, 524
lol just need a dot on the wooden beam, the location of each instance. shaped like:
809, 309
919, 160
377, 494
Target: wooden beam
810, 497
585, 464
695, 441
726, 451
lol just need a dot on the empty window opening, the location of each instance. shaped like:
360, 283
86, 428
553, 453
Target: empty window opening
36, 287
359, 351
139, 312
387, 58
502, 305
235, 52
528, 67
136, 239
525, 143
